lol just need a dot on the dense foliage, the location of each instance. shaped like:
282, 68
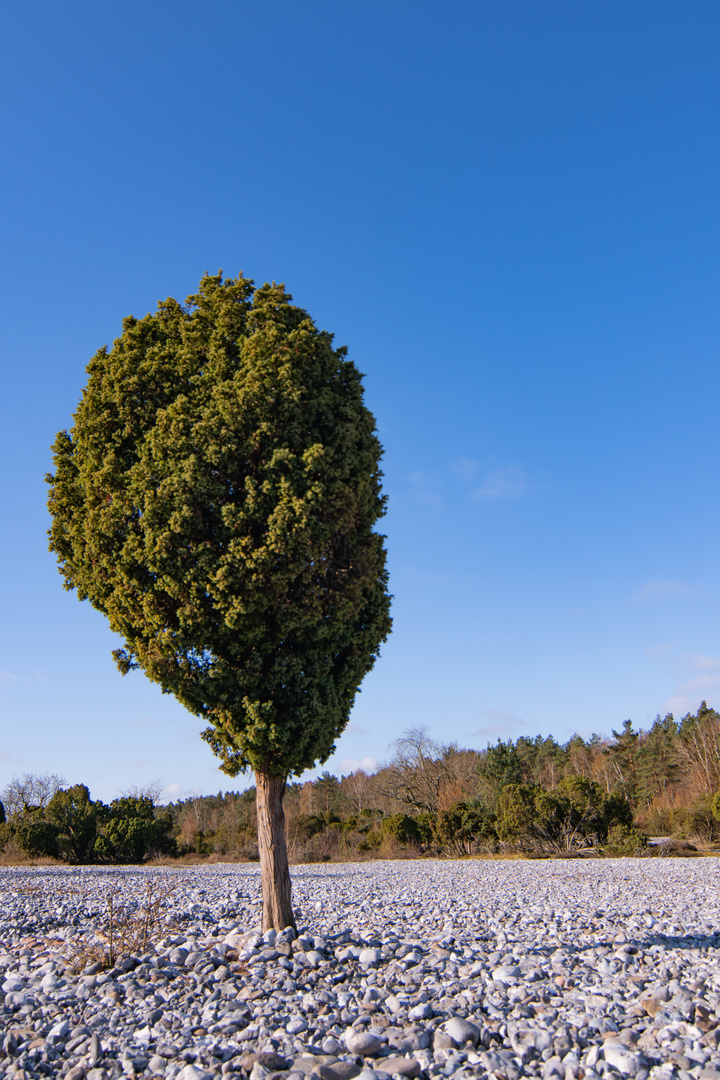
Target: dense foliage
216, 499
74, 828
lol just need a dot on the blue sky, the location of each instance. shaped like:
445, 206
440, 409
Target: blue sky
509, 212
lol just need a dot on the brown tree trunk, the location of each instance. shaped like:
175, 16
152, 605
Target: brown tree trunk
274, 869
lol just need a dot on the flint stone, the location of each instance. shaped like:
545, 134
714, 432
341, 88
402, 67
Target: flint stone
507, 973
341, 1070
369, 957
423, 1011
401, 1066
462, 1031
622, 1059
296, 1025
95, 1051
522, 1041
362, 1042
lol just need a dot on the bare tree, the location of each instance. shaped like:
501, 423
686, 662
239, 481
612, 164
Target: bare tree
356, 788
30, 792
152, 791
425, 774
698, 748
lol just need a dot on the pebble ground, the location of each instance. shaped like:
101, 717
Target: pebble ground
563, 969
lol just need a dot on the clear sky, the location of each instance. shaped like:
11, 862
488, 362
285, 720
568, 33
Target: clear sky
509, 211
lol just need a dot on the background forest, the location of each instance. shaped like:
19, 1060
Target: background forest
534, 796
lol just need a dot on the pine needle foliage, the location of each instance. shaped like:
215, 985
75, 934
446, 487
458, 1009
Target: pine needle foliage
216, 499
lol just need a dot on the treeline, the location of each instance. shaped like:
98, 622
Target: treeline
533, 795
41, 818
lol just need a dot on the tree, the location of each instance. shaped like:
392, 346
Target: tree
657, 759
622, 754
74, 815
500, 766
215, 499
698, 747
132, 832
30, 792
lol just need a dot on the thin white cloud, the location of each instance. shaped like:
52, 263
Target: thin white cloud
500, 723
659, 649
663, 590
506, 483
466, 469
705, 663
351, 765
356, 729
699, 683
8, 678
175, 792
681, 704
425, 486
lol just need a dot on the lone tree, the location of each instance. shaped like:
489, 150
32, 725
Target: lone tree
215, 499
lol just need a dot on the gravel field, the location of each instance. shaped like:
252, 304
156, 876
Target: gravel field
563, 969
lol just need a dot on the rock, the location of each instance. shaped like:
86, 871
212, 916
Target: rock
401, 1066
423, 1011
95, 1049
622, 1059
507, 973
362, 1042
461, 1031
295, 1025
339, 1070
369, 957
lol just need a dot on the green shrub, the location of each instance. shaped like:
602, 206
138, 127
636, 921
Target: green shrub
624, 840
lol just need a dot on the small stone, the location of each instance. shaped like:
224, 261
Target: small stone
462, 1031
191, 1073
362, 1042
296, 1025
340, 1070
95, 1051
401, 1066
620, 1058
423, 1011
369, 957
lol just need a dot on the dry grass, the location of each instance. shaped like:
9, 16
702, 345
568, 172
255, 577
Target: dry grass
127, 930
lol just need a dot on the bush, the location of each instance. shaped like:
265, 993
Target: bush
132, 833
37, 837
624, 840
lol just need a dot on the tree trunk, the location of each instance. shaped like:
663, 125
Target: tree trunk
274, 869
